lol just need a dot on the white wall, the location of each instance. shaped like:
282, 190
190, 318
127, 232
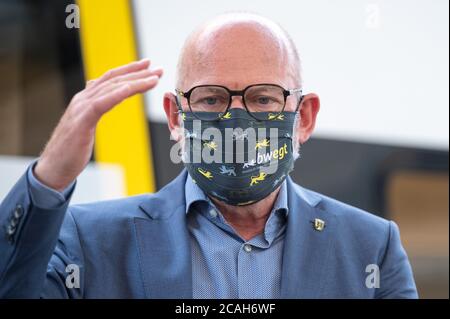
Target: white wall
96, 182
380, 67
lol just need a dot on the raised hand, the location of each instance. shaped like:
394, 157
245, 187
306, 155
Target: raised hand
69, 149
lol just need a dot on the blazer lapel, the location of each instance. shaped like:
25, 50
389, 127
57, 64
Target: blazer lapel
306, 250
163, 244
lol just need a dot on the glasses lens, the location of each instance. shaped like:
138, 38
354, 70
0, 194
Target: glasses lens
264, 98
208, 101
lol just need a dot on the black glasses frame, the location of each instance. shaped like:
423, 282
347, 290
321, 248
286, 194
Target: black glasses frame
232, 93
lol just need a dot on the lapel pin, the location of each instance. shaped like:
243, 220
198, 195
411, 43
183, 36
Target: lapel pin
318, 224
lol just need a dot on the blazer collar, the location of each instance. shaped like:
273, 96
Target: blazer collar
164, 203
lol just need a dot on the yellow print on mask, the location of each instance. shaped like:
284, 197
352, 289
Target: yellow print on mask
226, 116
257, 179
207, 174
281, 152
276, 116
211, 145
262, 143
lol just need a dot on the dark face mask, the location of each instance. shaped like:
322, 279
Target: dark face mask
239, 160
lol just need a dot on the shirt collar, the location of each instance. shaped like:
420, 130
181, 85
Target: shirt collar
281, 204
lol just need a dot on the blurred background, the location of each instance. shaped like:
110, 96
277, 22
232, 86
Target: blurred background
380, 67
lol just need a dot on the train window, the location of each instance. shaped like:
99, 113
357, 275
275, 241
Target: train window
40, 69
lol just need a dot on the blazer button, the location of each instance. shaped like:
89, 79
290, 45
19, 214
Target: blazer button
14, 222
18, 212
10, 239
10, 230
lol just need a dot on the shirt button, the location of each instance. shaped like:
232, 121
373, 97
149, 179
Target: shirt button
213, 213
247, 248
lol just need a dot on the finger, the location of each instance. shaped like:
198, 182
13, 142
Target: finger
90, 83
120, 91
123, 78
131, 67
111, 86
159, 71
138, 75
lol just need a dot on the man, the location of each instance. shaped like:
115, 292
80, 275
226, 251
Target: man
239, 232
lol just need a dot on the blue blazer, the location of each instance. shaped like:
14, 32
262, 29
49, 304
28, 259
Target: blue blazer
138, 247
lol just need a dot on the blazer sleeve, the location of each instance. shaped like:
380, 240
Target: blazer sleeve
396, 277
30, 266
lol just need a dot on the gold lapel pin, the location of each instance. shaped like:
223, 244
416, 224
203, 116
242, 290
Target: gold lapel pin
318, 224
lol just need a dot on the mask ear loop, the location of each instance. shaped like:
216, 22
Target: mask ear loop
178, 104
294, 135
299, 103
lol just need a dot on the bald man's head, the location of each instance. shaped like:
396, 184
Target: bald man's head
238, 48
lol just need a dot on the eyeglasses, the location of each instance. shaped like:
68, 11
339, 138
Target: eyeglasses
211, 102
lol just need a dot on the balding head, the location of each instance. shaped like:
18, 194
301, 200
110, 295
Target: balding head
238, 49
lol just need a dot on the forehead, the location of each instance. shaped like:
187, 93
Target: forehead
236, 55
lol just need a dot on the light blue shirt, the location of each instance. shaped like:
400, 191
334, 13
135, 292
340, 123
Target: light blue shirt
223, 264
